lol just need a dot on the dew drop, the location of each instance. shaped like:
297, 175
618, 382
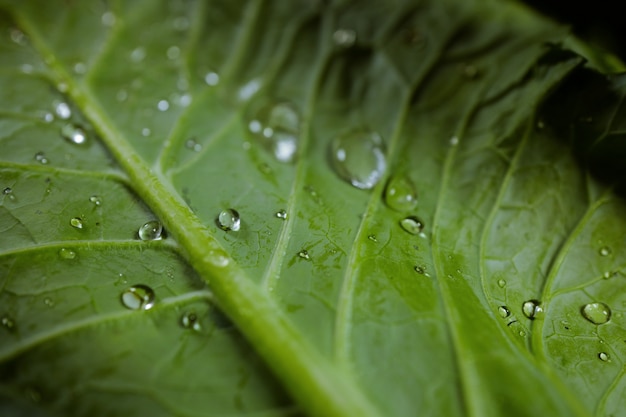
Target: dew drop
138, 54
358, 157
76, 222
501, 283
217, 258
74, 134
80, 68
180, 23
151, 230
229, 220
138, 297
108, 19
63, 110
277, 127
281, 214
604, 251
344, 38
18, 36
420, 269
145, 132
304, 254
504, 312
48, 117
48, 302
212, 78
41, 158
184, 100
412, 224
96, 200
163, 105
531, 308
372, 238
7, 191
65, 253
26, 68
173, 52
121, 95
193, 145
454, 140
604, 357
541, 124
400, 194
8, 323
190, 321
596, 313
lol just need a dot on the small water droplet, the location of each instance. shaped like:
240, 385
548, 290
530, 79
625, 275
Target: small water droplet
48, 302
212, 78
41, 158
74, 134
358, 157
604, 251
420, 269
163, 105
151, 230
121, 95
372, 238
65, 253
454, 140
193, 145
48, 117
8, 323
184, 100
76, 222
108, 19
173, 52
190, 321
7, 191
504, 312
138, 54
229, 220
80, 68
604, 357
412, 224
608, 275
18, 36
277, 127
501, 283
96, 200
145, 132
531, 308
304, 254
249, 89
27, 68
217, 258
522, 333
344, 38
180, 23
596, 313
400, 194
63, 110
138, 297
281, 214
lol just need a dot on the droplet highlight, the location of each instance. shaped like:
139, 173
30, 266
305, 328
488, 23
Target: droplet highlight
63, 110
8, 323
604, 357
400, 194
138, 297
229, 220
596, 313
190, 321
281, 214
74, 134
304, 254
358, 157
412, 224
344, 38
604, 251
531, 309
41, 158
276, 126
76, 223
151, 230
68, 254
504, 312
95, 200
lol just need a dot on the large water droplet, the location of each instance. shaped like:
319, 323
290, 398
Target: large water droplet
138, 297
65, 253
229, 220
504, 312
76, 222
281, 214
151, 230
277, 127
400, 194
74, 134
190, 321
412, 224
63, 110
597, 313
358, 157
604, 357
531, 308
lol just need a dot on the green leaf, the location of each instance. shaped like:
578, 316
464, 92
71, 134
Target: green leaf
416, 234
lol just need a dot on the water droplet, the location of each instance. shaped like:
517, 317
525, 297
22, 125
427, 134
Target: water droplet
80, 68
597, 313
193, 145
604, 357
150, 231
217, 258
7, 191
604, 251
522, 333
249, 89
26, 68
180, 23
281, 214
212, 78
138, 54
76, 222
96, 200
173, 52
190, 321
18, 36
48, 117
229, 220
8, 323
412, 224
48, 302
531, 308
41, 158
344, 38
420, 269
504, 312
277, 127
138, 297
454, 140
184, 100
73, 134
358, 157
304, 254
121, 95
501, 283
400, 194
65, 253
372, 238
108, 19
145, 132
163, 105
63, 110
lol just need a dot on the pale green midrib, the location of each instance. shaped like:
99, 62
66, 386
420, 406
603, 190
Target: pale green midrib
165, 244
74, 326
48, 169
346, 294
320, 389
